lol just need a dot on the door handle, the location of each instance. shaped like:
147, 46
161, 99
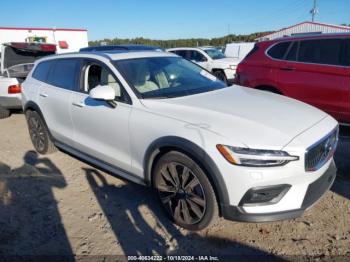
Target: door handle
80, 104
44, 95
287, 68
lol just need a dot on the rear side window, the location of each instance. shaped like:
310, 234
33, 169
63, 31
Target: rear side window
181, 53
323, 51
279, 50
64, 74
195, 56
42, 70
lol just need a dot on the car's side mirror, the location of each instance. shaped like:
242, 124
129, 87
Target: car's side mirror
106, 93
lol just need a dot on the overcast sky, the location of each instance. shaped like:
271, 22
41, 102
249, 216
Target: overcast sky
163, 19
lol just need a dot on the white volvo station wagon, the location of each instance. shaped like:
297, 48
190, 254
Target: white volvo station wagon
159, 120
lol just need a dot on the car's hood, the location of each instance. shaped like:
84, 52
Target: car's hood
226, 62
257, 119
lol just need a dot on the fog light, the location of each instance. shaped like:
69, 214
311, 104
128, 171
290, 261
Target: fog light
267, 195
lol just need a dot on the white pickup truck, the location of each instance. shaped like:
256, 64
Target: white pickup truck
17, 60
211, 59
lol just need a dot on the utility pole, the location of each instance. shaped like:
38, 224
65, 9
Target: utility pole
314, 11
228, 32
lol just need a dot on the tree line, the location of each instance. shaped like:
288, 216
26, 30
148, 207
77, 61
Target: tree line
220, 41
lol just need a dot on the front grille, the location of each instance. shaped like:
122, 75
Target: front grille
319, 153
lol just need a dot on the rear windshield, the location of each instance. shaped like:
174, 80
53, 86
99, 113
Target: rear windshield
214, 53
14, 56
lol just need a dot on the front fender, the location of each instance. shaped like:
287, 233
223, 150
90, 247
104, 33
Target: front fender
196, 153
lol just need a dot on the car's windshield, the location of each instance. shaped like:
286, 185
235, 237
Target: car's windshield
214, 53
162, 77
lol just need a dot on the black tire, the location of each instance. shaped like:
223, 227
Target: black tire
39, 133
220, 75
4, 113
187, 194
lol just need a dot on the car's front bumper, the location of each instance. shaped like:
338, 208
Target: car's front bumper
10, 102
314, 192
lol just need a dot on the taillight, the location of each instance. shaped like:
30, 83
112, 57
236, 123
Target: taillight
48, 47
15, 89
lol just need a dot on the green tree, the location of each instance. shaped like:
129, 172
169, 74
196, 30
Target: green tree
190, 42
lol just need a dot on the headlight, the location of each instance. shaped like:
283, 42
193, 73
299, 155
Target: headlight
255, 157
233, 67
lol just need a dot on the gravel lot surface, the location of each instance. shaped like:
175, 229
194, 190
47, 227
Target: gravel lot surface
58, 205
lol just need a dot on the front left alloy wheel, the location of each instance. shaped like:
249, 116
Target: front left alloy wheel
185, 191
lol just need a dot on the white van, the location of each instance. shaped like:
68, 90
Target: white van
238, 50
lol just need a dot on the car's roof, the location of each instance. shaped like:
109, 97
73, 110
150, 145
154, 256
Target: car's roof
207, 47
120, 47
112, 55
183, 48
308, 36
192, 48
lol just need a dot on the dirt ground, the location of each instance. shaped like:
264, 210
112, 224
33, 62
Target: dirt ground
57, 205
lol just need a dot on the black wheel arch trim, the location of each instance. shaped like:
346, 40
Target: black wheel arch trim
192, 150
218, 69
31, 104
36, 108
270, 88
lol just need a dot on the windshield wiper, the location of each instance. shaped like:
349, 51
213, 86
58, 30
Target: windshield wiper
160, 97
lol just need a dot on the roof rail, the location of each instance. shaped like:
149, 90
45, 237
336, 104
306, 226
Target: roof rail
311, 34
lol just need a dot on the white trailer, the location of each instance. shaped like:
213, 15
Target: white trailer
65, 39
238, 50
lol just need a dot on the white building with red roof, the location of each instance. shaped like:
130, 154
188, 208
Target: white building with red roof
65, 39
305, 28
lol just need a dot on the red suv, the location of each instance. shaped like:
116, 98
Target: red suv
314, 69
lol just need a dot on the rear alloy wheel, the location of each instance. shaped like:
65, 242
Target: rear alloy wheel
39, 134
220, 75
185, 191
4, 113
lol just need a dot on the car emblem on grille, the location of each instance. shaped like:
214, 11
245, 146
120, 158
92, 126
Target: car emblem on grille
318, 154
327, 147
